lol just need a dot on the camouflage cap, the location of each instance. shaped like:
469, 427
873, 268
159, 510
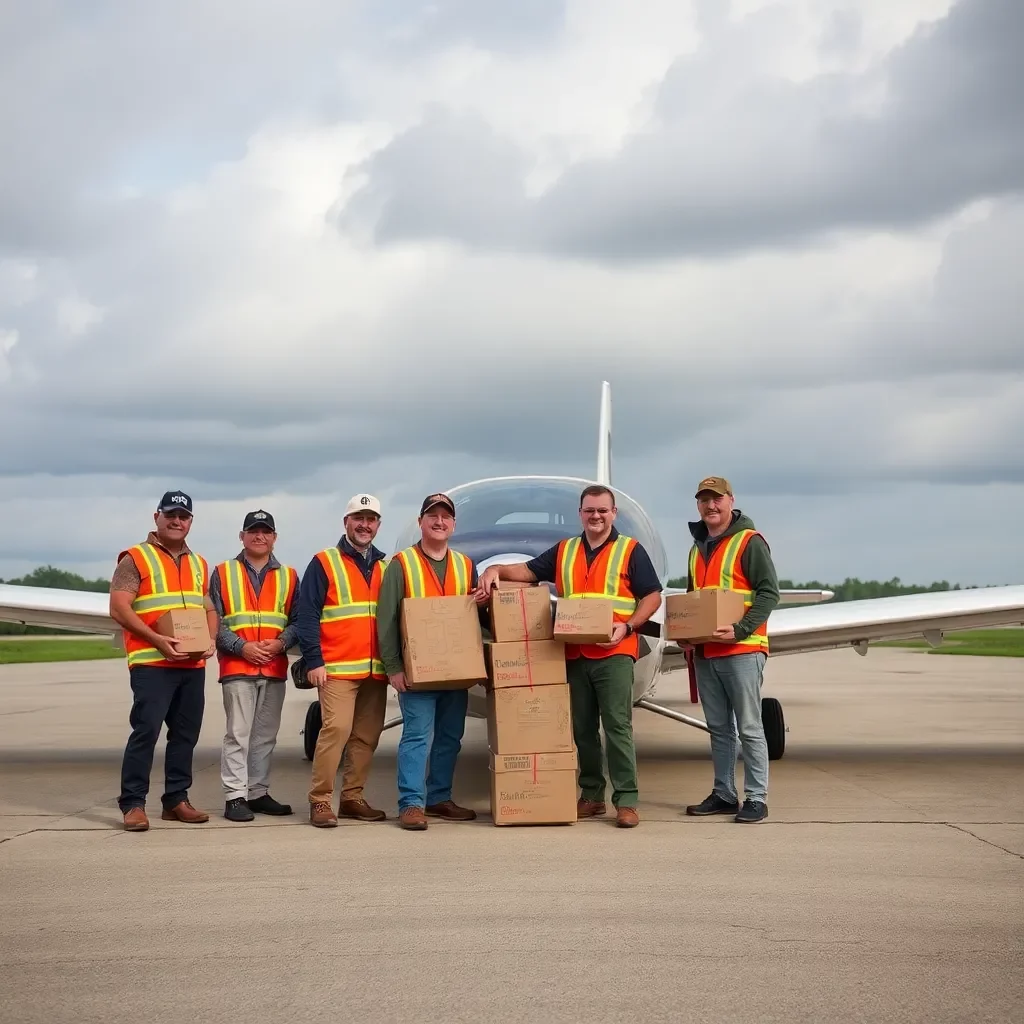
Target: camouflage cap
715, 484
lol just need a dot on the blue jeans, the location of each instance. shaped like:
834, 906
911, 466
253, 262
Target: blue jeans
730, 686
425, 712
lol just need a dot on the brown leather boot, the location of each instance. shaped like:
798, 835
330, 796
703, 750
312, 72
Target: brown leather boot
627, 817
413, 819
185, 812
590, 808
450, 811
135, 820
321, 815
360, 810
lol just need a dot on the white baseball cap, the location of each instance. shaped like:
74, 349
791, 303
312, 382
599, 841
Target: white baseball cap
362, 503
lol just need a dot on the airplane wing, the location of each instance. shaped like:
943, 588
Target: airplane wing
857, 623
79, 610
785, 596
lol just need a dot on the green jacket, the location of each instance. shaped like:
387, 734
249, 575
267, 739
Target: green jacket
756, 563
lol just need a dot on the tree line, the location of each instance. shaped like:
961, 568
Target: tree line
853, 589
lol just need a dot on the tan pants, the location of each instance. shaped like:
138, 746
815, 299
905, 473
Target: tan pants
353, 716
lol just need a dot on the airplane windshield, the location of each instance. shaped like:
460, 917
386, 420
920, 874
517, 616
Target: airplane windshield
526, 516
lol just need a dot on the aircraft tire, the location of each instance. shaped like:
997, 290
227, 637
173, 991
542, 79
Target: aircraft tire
311, 730
774, 727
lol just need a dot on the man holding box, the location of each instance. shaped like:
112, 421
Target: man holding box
254, 595
428, 569
152, 578
728, 553
337, 629
599, 562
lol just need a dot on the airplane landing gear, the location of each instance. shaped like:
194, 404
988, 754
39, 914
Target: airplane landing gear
774, 727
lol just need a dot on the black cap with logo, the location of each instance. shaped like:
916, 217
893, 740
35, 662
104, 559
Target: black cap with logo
259, 518
437, 499
175, 501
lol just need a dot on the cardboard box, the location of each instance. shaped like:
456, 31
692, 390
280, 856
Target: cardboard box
442, 645
188, 627
583, 620
520, 612
533, 789
694, 617
533, 663
521, 720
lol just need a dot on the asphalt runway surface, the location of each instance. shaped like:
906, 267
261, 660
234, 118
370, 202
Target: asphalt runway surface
887, 884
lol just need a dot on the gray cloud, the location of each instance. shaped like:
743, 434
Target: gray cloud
735, 160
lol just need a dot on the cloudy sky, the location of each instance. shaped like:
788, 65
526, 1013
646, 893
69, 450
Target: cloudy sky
391, 246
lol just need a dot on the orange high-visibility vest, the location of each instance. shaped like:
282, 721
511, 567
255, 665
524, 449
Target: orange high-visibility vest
726, 573
163, 585
255, 618
422, 581
348, 620
606, 578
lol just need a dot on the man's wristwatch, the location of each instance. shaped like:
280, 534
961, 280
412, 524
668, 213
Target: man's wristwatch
629, 630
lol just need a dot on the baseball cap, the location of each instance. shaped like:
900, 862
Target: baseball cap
715, 484
259, 518
362, 503
175, 501
437, 499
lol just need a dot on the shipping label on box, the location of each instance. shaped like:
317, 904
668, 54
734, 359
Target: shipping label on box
694, 617
442, 645
533, 789
529, 663
521, 720
584, 620
520, 613
188, 627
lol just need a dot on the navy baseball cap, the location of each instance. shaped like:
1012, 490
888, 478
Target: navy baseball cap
259, 518
175, 501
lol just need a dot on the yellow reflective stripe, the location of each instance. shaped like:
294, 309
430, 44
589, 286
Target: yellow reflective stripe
414, 580
692, 567
156, 603
239, 620
732, 547
236, 589
156, 568
144, 656
357, 610
572, 545
284, 585
341, 587
615, 559
460, 564
197, 572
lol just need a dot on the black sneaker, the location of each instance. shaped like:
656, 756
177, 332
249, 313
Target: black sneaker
753, 810
713, 804
268, 805
238, 810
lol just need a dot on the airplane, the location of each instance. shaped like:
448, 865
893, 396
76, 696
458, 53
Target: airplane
514, 518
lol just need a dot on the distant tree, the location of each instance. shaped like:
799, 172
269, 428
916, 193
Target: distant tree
56, 579
853, 589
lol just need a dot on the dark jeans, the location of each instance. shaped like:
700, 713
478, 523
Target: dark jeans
176, 696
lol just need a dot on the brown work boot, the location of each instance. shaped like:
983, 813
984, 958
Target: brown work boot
450, 811
413, 819
360, 810
590, 808
135, 820
321, 815
185, 812
626, 817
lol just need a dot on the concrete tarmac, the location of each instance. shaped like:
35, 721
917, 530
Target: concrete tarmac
888, 883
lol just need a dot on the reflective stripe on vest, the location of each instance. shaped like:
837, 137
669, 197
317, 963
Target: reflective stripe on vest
163, 586
348, 652
725, 572
422, 581
570, 558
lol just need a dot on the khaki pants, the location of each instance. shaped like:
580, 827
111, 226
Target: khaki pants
353, 716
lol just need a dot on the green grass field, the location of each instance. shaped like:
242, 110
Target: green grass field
987, 643
20, 650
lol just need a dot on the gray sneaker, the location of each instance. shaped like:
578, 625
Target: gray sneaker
753, 811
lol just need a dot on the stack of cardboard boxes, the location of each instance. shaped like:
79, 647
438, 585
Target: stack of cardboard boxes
529, 723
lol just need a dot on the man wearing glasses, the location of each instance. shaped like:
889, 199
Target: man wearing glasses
167, 685
601, 561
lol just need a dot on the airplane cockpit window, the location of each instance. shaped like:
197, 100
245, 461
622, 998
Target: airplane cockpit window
526, 516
